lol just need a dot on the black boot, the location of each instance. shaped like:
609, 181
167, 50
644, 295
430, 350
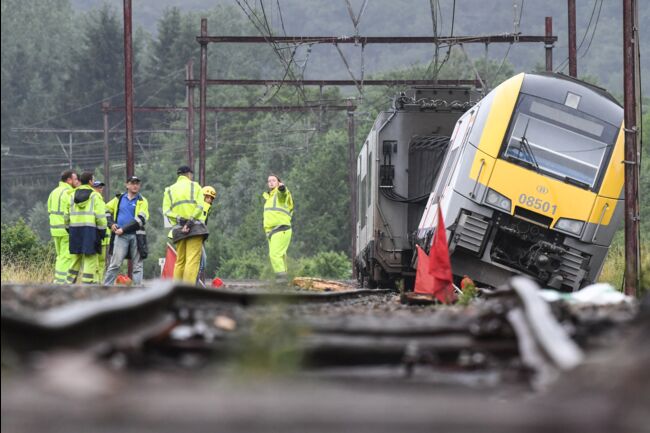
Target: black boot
281, 279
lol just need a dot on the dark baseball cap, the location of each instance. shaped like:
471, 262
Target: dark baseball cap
98, 183
183, 169
131, 179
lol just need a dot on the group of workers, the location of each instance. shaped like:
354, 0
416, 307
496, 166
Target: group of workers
86, 230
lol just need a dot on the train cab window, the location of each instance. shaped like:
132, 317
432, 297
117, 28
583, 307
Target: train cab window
559, 141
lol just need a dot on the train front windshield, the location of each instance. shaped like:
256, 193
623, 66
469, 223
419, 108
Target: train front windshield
559, 141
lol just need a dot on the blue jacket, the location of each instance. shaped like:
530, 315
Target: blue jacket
87, 221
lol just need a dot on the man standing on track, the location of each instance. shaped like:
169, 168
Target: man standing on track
209, 194
58, 206
183, 205
98, 186
87, 229
127, 213
278, 211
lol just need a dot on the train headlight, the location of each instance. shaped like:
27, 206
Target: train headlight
497, 200
570, 226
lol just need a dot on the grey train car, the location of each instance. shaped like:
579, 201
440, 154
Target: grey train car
530, 183
396, 170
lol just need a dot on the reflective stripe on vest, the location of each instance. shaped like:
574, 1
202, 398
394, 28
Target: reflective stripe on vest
173, 203
87, 213
57, 217
275, 207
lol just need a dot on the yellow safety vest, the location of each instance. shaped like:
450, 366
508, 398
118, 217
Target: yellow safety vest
58, 206
90, 213
206, 211
183, 200
278, 209
141, 209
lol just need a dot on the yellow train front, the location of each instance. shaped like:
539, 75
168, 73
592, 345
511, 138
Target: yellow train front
532, 183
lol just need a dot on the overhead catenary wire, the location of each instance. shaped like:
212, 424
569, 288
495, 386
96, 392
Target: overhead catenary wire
449, 47
284, 31
263, 28
565, 62
594, 32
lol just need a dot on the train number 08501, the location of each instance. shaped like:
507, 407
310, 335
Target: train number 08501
537, 203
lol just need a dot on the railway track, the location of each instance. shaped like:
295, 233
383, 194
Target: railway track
179, 352
168, 324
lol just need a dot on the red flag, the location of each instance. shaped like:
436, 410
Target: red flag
440, 265
170, 262
423, 279
433, 274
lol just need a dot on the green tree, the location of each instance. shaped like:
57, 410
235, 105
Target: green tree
98, 69
165, 60
18, 241
322, 196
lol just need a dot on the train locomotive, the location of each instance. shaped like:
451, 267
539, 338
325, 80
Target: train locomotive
530, 181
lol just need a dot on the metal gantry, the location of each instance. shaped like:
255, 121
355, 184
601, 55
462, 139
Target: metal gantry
204, 39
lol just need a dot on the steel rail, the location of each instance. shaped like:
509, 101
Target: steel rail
87, 323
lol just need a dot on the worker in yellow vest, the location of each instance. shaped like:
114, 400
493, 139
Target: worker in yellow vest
98, 186
58, 208
87, 229
183, 206
278, 211
209, 194
127, 215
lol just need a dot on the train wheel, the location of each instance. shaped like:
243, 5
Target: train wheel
408, 284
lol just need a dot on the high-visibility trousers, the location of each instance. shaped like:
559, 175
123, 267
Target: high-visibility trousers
84, 269
278, 245
63, 258
101, 264
188, 259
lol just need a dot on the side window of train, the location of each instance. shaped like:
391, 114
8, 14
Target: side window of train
481, 117
458, 138
461, 142
361, 193
369, 178
444, 173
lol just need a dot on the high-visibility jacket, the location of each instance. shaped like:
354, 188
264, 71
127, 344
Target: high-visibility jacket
183, 200
107, 237
58, 206
278, 209
206, 212
87, 221
141, 212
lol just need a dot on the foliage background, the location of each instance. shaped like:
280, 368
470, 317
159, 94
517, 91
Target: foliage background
62, 58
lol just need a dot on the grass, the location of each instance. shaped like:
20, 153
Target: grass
270, 348
614, 267
38, 270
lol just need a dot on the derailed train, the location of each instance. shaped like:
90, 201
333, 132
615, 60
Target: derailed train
529, 180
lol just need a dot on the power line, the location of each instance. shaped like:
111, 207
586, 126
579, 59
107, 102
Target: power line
564, 63
594, 32
259, 25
